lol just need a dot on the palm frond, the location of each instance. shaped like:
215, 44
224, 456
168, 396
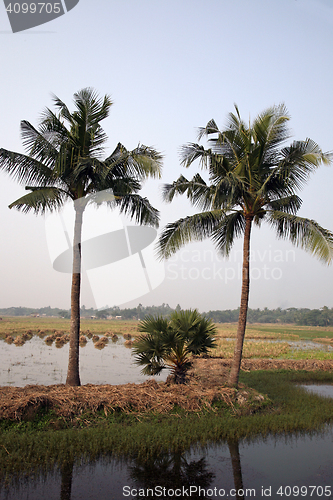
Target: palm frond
89, 104
196, 189
270, 128
210, 128
24, 169
191, 152
192, 228
138, 208
298, 161
305, 233
41, 200
289, 204
140, 163
41, 145
152, 324
230, 227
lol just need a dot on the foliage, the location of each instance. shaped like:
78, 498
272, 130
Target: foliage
30, 447
253, 177
64, 163
169, 343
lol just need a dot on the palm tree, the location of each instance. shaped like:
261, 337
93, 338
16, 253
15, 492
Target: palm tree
65, 163
169, 343
253, 177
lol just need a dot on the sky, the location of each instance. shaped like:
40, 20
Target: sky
170, 66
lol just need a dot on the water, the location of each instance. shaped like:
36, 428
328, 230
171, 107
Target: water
297, 466
38, 363
321, 390
275, 467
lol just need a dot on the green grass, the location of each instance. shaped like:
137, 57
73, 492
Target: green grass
303, 332
315, 354
29, 446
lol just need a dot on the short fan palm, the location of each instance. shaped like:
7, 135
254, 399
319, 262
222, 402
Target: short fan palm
253, 177
170, 343
64, 162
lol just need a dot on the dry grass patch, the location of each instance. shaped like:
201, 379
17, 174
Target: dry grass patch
325, 340
207, 367
225, 349
70, 402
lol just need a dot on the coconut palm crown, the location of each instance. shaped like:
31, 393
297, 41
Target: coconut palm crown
253, 177
64, 162
169, 343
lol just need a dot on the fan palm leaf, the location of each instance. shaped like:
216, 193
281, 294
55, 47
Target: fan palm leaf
169, 343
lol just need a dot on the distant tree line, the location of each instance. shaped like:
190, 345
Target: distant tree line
309, 317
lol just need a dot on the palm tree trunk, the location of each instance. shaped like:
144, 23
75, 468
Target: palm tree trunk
236, 362
73, 375
179, 374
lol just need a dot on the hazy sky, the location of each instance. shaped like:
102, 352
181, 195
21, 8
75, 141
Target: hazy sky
170, 66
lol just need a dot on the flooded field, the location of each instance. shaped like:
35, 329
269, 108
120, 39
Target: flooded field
272, 466
35, 362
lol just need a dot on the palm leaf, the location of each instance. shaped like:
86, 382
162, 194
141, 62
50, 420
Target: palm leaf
192, 228
138, 208
305, 233
24, 169
41, 200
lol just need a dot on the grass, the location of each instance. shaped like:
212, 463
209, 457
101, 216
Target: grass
27, 447
260, 349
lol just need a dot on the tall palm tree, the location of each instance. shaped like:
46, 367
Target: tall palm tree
253, 177
64, 162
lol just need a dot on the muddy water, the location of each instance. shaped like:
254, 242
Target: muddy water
37, 363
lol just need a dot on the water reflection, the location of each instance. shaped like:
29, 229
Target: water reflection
38, 363
166, 473
171, 472
66, 472
320, 389
230, 469
236, 468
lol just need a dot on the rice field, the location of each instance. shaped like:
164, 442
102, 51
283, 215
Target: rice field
270, 341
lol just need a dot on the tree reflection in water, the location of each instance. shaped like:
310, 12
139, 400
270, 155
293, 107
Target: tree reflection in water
174, 470
236, 467
66, 471
170, 471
